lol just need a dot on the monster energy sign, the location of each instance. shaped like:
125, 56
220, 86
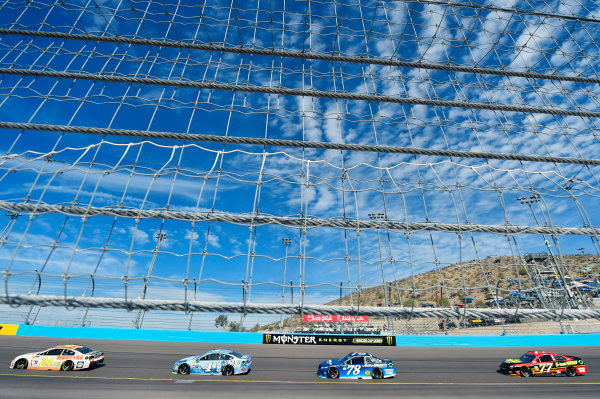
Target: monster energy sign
308, 339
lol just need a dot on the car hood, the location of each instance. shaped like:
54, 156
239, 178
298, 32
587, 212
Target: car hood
329, 362
512, 361
28, 354
186, 359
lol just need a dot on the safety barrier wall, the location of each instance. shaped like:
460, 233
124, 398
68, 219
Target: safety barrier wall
529, 341
138, 335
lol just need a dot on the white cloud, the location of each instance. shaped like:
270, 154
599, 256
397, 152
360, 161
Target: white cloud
140, 236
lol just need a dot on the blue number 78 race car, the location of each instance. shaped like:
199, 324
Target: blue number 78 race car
357, 366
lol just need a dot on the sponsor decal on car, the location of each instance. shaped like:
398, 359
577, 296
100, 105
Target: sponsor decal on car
569, 363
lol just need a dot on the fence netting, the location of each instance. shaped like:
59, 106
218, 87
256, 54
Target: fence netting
427, 165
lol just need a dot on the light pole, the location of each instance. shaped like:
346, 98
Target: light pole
497, 288
498, 305
286, 242
530, 200
292, 302
381, 216
160, 237
557, 267
588, 270
582, 249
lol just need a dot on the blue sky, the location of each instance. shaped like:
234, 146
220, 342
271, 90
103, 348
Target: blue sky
198, 177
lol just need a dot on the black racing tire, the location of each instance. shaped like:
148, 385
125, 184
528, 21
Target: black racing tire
228, 370
570, 372
184, 369
67, 366
525, 372
333, 372
377, 374
21, 364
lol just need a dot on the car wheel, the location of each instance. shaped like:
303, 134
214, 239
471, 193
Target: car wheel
228, 370
377, 374
570, 372
67, 366
184, 369
21, 364
333, 373
526, 372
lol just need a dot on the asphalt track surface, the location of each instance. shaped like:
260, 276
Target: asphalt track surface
142, 369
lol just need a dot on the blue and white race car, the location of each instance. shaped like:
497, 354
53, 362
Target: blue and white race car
357, 366
218, 361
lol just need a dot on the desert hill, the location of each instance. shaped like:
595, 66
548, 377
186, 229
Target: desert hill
482, 279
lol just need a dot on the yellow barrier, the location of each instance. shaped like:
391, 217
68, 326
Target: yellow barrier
8, 329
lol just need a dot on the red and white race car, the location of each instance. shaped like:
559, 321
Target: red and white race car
63, 357
536, 363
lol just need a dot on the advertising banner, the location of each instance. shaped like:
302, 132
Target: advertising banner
324, 318
311, 339
9, 329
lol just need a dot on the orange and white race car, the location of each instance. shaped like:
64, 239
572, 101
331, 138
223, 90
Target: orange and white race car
63, 357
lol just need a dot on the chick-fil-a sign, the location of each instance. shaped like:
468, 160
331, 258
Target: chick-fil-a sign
324, 318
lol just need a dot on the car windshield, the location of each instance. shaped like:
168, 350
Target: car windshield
236, 354
527, 358
84, 350
345, 358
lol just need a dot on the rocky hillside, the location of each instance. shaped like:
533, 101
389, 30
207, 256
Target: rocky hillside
482, 279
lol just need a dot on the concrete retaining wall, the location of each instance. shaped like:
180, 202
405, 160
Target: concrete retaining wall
530, 341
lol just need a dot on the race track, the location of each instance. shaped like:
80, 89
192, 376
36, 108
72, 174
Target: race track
142, 369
